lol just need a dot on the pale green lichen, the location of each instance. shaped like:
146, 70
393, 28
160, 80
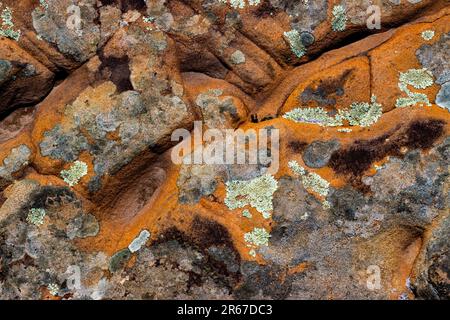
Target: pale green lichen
295, 42
258, 237
298, 169
316, 183
347, 130
238, 57
240, 4
246, 214
36, 216
252, 253
313, 116
305, 216
258, 193
362, 114
419, 79
412, 100
139, 241
311, 180
7, 25
267, 215
339, 22
16, 160
53, 288
428, 35
148, 19
73, 175
43, 4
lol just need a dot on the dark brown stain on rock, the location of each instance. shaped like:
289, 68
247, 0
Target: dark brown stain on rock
117, 70
133, 5
265, 9
297, 146
205, 234
354, 160
109, 2
326, 91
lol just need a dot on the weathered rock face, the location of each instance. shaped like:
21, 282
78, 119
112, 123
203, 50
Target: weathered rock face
23, 79
350, 203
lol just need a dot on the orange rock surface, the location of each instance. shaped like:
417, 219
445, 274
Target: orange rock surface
111, 97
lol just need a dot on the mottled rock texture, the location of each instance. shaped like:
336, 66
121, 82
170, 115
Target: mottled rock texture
93, 207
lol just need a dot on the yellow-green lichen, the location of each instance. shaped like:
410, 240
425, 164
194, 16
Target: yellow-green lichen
73, 175
258, 193
36, 216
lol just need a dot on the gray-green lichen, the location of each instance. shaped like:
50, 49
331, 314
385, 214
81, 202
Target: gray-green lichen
70, 26
419, 79
238, 57
339, 21
5, 70
295, 42
7, 24
73, 175
63, 144
311, 181
17, 159
258, 193
443, 96
140, 118
36, 216
119, 259
257, 237
217, 111
51, 252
